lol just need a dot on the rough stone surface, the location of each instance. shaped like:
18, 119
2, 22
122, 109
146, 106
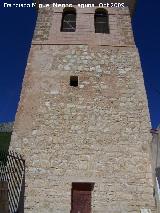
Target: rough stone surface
96, 132
156, 164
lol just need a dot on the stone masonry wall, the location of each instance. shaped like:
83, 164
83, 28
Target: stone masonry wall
97, 132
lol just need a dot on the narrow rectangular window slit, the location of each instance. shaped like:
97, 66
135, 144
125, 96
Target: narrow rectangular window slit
74, 81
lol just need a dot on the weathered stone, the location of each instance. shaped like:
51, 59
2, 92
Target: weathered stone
91, 133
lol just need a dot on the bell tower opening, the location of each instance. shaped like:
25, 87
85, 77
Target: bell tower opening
101, 21
68, 23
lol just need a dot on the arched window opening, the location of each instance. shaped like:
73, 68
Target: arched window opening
68, 20
101, 21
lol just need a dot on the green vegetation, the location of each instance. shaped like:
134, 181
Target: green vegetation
5, 138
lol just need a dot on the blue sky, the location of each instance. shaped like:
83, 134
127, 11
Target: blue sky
17, 27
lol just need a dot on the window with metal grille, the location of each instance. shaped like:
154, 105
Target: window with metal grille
68, 20
101, 21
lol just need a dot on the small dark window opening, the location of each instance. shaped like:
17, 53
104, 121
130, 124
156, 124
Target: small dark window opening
74, 81
101, 21
81, 197
68, 23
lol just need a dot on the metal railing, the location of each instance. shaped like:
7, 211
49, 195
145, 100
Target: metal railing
12, 171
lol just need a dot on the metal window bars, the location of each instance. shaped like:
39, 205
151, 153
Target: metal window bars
12, 171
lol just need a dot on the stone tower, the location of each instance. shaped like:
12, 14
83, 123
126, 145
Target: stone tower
82, 123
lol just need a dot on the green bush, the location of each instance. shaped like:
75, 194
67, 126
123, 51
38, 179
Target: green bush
5, 138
